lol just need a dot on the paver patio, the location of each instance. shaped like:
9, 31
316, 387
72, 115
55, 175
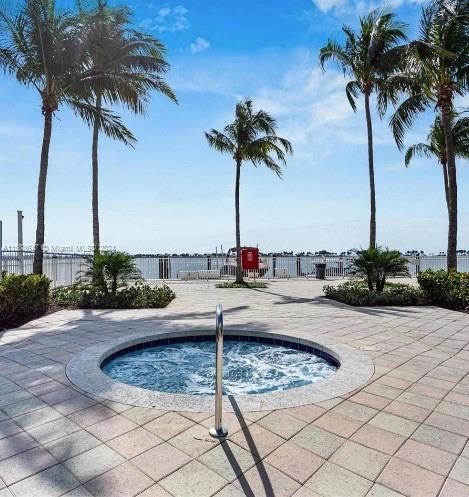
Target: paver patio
404, 433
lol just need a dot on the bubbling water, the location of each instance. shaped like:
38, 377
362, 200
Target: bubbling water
188, 367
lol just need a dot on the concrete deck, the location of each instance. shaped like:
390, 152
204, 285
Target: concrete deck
402, 434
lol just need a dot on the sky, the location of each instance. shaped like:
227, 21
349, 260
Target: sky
173, 194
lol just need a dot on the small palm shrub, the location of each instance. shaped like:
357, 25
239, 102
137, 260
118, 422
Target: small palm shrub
23, 297
375, 265
110, 270
445, 289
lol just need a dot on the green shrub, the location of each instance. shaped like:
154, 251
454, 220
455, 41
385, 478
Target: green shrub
138, 296
23, 297
245, 284
376, 264
445, 289
357, 294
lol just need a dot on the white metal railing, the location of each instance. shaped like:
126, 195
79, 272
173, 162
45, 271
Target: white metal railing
63, 268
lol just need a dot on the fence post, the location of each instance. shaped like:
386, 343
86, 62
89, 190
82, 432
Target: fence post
20, 243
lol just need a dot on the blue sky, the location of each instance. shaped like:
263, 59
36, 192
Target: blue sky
173, 194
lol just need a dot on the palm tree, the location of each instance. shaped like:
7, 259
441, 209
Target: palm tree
368, 57
45, 49
251, 137
438, 70
132, 64
436, 147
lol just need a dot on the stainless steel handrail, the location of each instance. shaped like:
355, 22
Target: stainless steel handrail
219, 431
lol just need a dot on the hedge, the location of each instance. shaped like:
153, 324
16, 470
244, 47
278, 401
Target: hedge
357, 294
23, 297
450, 290
138, 296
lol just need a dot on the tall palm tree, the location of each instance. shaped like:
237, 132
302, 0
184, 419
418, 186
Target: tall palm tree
45, 49
368, 57
436, 147
251, 137
132, 64
438, 70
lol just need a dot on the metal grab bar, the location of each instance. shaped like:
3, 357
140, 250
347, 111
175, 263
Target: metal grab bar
219, 431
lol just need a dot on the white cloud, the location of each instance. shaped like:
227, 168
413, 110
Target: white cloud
199, 45
360, 6
167, 20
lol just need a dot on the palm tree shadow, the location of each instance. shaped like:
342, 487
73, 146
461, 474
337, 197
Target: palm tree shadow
268, 489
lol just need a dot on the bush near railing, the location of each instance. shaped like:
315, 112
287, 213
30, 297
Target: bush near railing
356, 293
138, 296
23, 297
450, 290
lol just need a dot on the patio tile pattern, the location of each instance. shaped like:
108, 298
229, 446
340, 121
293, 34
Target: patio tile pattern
405, 433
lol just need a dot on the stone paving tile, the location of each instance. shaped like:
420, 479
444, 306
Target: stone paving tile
168, 425
294, 461
194, 441
453, 488
142, 415
53, 430
160, 461
57, 396
448, 423
441, 439
377, 438
229, 460
431, 458
333, 481
361, 460
27, 463
257, 440
52, 482
71, 445
355, 411
409, 411
92, 463
75, 404
112, 427
91, 415
410, 479
155, 491
16, 444
282, 424
378, 490
23, 407
36, 418
394, 424
306, 413
134, 442
193, 480
123, 481
460, 471
319, 441
229, 491
338, 424
263, 480
370, 400
9, 427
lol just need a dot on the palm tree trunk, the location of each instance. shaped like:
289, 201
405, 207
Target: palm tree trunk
371, 170
451, 257
445, 180
95, 184
239, 271
41, 193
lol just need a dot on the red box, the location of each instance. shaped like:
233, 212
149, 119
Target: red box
250, 259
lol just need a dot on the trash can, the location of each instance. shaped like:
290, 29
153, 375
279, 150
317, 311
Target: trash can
321, 271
